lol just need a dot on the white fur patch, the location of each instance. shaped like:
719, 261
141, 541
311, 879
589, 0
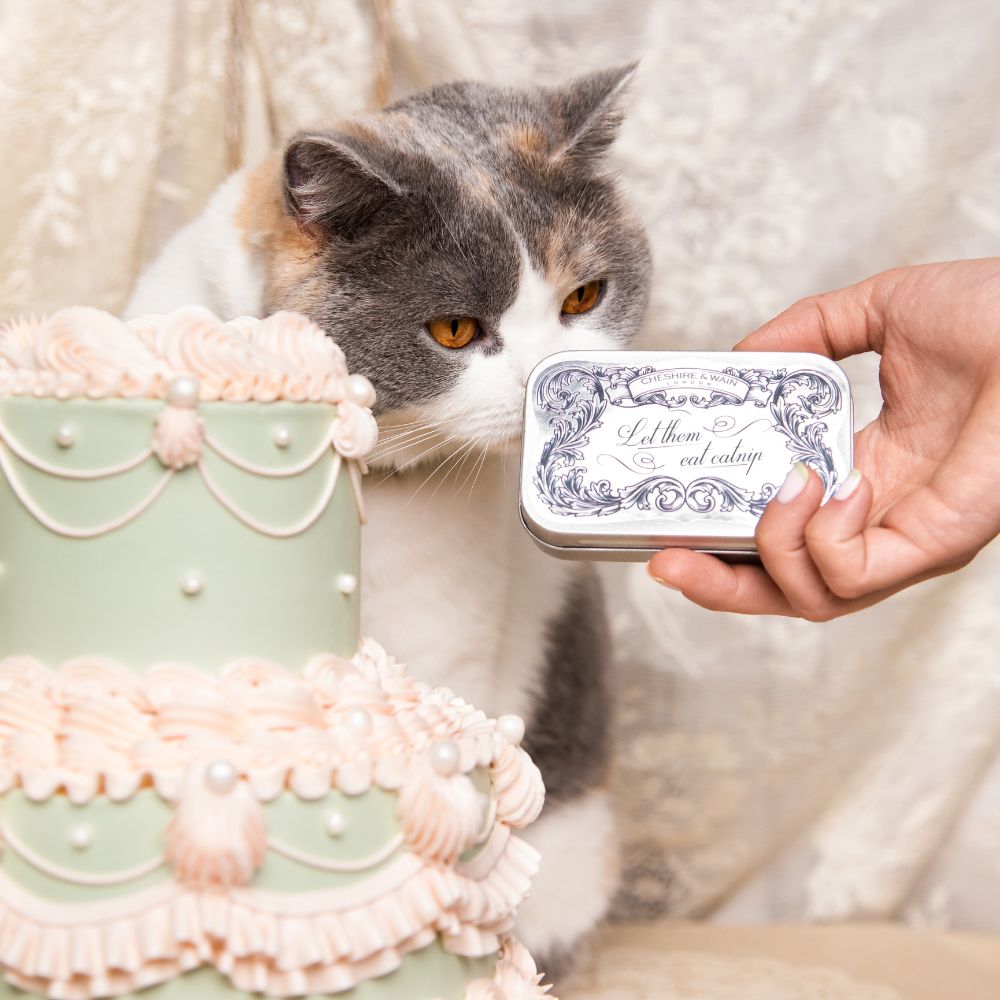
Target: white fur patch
454, 587
206, 264
578, 874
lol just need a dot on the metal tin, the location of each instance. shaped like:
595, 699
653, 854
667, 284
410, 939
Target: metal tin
629, 452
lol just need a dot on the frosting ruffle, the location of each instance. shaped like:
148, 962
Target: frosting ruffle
84, 352
273, 943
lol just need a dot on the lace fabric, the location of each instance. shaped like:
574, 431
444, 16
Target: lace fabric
767, 769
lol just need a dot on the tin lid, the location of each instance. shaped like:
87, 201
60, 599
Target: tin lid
640, 450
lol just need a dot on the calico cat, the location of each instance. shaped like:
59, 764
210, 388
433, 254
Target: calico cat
448, 243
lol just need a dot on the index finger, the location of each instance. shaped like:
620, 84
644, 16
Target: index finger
838, 324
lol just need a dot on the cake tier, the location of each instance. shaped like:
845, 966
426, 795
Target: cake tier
179, 507
212, 514
186, 578
301, 833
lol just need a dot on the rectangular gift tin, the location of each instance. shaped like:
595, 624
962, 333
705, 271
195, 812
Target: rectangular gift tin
628, 452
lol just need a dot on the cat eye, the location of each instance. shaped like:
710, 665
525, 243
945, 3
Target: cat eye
583, 298
454, 331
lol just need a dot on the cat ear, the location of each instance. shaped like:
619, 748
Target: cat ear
333, 184
589, 111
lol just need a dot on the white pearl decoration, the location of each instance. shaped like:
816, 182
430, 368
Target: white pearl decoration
81, 837
444, 758
358, 720
336, 823
184, 392
511, 728
359, 390
192, 585
282, 437
221, 777
65, 436
347, 583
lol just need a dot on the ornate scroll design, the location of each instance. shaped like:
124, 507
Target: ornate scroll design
798, 404
576, 397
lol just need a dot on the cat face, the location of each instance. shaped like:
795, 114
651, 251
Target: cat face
452, 241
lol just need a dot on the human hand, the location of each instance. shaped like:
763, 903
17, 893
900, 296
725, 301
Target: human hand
925, 495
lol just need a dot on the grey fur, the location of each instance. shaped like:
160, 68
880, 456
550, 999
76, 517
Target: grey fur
420, 211
568, 737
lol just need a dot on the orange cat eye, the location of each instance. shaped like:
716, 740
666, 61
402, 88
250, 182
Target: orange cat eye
583, 298
454, 331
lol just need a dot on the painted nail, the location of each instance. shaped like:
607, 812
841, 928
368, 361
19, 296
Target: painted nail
848, 486
795, 482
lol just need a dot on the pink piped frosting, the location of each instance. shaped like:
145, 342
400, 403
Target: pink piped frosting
280, 728
83, 352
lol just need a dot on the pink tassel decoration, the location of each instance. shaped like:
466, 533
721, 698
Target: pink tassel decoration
217, 836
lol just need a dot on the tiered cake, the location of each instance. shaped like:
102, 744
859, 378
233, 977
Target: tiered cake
207, 789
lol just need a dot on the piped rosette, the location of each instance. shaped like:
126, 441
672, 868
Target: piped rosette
218, 751
81, 352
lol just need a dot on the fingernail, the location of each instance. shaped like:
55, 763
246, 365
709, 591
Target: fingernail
660, 580
848, 486
795, 482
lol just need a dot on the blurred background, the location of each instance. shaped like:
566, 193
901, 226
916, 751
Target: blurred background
768, 771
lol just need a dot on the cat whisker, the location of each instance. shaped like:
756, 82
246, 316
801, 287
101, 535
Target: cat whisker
426, 451
475, 469
461, 448
384, 442
469, 455
479, 466
443, 416
396, 469
469, 473
465, 451
378, 456
405, 425
385, 439
387, 446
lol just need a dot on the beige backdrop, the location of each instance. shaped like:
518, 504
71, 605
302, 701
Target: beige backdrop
767, 769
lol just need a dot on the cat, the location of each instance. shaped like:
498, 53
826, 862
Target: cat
449, 243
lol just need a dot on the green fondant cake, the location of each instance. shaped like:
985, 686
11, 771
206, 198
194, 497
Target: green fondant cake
208, 787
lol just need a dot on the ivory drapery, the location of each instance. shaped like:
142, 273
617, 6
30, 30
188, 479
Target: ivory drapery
766, 769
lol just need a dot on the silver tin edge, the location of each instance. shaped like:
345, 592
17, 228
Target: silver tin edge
591, 553
596, 547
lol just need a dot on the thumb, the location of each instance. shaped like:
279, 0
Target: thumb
837, 324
